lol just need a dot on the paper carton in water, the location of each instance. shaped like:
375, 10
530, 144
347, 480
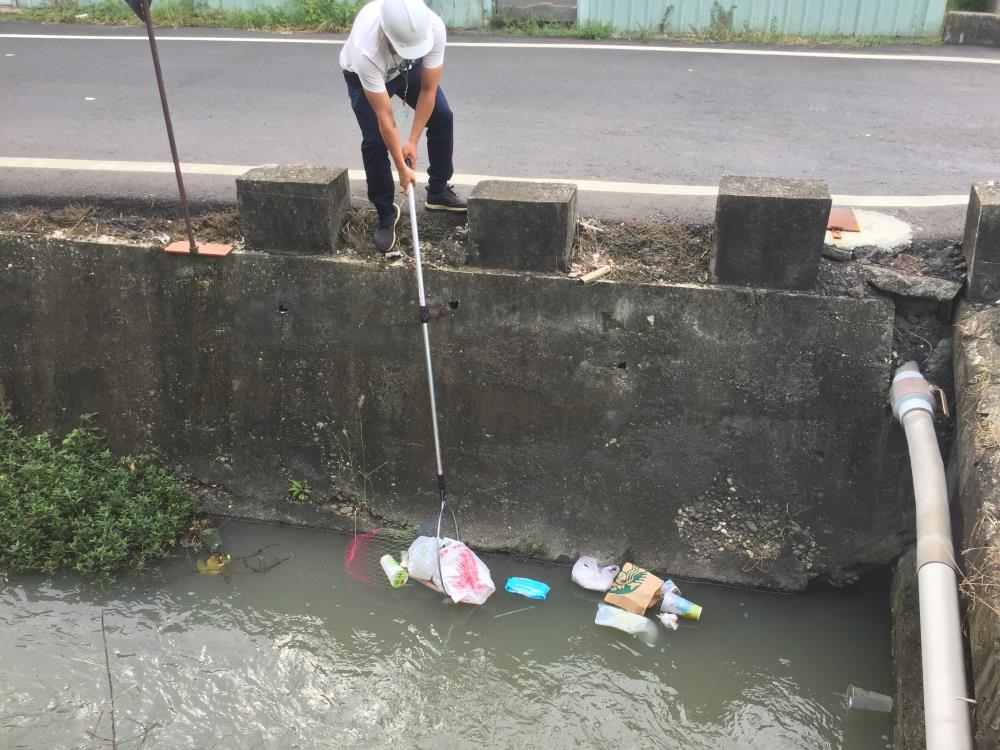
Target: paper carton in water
635, 590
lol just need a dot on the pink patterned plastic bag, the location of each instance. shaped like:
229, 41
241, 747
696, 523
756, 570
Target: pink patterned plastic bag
466, 577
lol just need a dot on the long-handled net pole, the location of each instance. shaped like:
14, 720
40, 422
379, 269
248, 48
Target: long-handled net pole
424, 320
185, 212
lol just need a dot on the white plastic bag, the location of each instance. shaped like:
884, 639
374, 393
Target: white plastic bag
613, 617
587, 572
466, 577
668, 619
421, 558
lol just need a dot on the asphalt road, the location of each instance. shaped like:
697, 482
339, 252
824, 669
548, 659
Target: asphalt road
867, 126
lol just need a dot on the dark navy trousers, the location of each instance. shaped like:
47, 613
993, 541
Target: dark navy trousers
440, 138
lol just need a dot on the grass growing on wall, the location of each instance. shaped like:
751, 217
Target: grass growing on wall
722, 28
305, 15
779, 39
71, 504
976, 6
528, 24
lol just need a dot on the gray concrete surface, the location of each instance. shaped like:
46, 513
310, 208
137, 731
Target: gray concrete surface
980, 29
977, 389
623, 420
910, 285
556, 10
293, 206
769, 232
528, 226
982, 242
907, 669
864, 126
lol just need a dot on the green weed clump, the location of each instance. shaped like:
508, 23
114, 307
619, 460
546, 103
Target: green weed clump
297, 15
976, 6
72, 504
528, 24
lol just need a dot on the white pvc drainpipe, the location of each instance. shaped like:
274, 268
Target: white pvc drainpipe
946, 700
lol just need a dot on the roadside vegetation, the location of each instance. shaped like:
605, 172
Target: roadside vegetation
528, 24
336, 16
723, 28
975, 6
291, 15
70, 503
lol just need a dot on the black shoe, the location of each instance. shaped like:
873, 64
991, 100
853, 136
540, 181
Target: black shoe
385, 235
446, 200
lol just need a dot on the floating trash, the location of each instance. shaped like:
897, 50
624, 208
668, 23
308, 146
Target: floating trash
627, 622
527, 587
676, 604
587, 572
393, 571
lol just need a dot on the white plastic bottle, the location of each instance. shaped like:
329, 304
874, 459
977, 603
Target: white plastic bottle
613, 617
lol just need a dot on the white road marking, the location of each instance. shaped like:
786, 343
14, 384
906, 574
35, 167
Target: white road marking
469, 180
880, 57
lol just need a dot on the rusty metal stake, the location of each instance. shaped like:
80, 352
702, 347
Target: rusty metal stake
185, 211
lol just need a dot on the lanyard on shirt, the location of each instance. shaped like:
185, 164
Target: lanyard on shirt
403, 115
403, 67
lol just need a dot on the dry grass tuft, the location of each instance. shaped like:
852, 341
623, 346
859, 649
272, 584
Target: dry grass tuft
216, 226
357, 231
81, 221
70, 217
642, 251
443, 237
981, 582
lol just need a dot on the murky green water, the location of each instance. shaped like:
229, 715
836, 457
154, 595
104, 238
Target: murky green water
303, 656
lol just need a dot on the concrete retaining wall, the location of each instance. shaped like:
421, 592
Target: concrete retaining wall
907, 669
554, 10
630, 421
977, 386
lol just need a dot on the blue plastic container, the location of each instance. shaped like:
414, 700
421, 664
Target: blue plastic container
527, 587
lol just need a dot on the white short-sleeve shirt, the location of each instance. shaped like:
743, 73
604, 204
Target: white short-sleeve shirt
369, 54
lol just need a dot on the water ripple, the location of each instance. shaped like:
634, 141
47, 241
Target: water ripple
292, 659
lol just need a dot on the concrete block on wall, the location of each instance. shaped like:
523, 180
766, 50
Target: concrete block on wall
551, 10
769, 232
528, 226
976, 29
293, 208
982, 242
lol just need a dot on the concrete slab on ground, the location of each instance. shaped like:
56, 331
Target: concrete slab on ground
880, 233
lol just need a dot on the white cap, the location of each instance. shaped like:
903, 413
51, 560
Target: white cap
407, 24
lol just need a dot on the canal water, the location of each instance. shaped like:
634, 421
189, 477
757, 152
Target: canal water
303, 656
